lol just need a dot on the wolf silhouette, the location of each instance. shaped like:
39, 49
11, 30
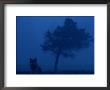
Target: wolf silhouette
35, 68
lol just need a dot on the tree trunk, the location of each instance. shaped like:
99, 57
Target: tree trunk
56, 62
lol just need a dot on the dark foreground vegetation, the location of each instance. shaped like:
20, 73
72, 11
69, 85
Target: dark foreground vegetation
58, 72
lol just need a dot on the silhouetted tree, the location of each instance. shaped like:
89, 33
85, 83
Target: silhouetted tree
35, 68
66, 39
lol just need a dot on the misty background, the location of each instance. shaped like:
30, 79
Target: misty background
30, 31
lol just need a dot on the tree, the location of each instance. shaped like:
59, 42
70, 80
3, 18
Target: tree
66, 39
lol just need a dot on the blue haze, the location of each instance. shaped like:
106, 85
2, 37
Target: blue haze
30, 32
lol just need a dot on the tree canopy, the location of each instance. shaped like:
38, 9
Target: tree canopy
66, 39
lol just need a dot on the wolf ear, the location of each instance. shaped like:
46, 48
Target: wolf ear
35, 59
31, 58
